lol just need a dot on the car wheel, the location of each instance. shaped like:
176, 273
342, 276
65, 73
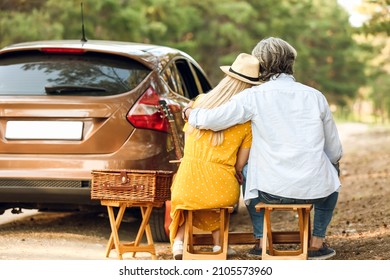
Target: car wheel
159, 223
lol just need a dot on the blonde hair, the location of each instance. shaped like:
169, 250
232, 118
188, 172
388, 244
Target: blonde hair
276, 56
226, 89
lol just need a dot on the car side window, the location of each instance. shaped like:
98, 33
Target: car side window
204, 83
186, 79
189, 84
173, 79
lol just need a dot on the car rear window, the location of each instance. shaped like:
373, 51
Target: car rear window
87, 74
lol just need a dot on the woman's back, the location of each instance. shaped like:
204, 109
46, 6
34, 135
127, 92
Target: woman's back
226, 153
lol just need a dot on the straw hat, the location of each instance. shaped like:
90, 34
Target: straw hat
245, 68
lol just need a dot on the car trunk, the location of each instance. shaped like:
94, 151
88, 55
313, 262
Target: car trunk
64, 126
67, 100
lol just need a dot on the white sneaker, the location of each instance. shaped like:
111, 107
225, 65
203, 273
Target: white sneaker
177, 250
230, 251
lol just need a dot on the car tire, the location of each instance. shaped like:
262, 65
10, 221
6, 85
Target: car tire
158, 222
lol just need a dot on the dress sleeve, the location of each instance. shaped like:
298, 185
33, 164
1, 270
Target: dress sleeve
247, 143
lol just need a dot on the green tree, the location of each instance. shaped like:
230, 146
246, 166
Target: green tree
331, 59
379, 16
212, 31
375, 33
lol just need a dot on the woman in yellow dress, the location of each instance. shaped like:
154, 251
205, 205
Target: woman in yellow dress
210, 171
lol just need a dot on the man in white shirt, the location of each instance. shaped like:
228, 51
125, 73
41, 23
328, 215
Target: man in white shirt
295, 142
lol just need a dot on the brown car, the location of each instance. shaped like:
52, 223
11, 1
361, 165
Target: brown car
70, 107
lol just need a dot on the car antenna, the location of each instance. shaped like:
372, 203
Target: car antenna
83, 38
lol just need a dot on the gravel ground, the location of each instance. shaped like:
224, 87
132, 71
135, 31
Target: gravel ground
359, 229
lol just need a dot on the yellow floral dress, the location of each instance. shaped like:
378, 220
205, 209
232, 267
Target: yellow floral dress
206, 177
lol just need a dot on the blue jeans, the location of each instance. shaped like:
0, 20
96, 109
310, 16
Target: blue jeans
323, 209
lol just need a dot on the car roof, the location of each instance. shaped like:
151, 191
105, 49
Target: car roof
153, 55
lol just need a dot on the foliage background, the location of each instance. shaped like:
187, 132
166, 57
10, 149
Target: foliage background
350, 65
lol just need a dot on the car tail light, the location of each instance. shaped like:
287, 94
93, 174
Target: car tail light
146, 112
63, 50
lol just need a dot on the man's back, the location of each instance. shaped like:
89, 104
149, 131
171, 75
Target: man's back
294, 128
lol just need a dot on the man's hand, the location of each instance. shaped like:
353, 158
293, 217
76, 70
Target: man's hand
337, 166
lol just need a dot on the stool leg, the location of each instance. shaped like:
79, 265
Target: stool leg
221, 229
188, 247
190, 231
145, 227
115, 224
306, 230
225, 230
267, 234
309, 226
145, 212
148, 231
301, 222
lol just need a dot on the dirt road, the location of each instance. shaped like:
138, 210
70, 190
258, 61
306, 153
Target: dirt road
359, 230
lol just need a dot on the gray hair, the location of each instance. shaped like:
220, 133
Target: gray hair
276, 56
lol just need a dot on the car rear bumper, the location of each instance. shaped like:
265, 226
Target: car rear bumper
17, 191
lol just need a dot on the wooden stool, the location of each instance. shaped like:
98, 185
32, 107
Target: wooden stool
189, 251
114, 242
286, 237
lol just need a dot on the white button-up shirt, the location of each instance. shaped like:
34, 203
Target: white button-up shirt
295, 139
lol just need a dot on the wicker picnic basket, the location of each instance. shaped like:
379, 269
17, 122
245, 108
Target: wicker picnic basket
131, 185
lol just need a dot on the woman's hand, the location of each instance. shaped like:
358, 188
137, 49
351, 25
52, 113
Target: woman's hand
185, 113
239, 177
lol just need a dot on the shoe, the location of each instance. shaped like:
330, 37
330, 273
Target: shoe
177, 250
256, 250
323, 253
230, 252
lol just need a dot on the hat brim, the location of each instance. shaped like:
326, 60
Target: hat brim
225, 69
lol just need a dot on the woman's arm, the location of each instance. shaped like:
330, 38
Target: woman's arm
242, 158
